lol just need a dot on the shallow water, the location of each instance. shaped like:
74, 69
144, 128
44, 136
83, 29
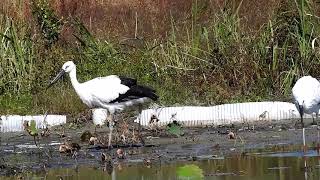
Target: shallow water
288, 165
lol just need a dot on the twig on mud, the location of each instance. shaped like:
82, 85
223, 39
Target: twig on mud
122, 146
35, 142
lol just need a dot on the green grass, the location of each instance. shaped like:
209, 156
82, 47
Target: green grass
197, 63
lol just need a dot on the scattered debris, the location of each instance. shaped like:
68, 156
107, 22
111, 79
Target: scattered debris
85, 136
120, 154
45, 132
69, 148
105, 157
93, 140
231, 135
107, 160
147, 163
154, 119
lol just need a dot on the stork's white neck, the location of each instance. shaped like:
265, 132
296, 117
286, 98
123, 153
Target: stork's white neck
73, 78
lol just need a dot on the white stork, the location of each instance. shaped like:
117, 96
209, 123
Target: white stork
306, 94
114, 93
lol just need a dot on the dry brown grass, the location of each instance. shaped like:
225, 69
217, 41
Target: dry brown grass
219, 53
117, 17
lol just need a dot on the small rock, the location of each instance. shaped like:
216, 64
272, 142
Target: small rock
147, 163
85, 136
231, 135
120, 154
64, 149
93, 140
69, 147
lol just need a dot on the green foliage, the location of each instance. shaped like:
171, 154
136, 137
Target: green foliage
191, 172
33, 128
174, 128
49, 24
16, 58
13, 104
197, 63
94, 57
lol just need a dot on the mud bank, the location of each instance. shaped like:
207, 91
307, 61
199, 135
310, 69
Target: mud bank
19, 154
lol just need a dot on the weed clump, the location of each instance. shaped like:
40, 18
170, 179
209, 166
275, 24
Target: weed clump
206, 58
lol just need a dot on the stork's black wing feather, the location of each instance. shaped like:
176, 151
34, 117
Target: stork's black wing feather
128, 81
135, 92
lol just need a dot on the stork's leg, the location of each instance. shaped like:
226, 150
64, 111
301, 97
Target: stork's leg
313, 121
301, 119
110, 129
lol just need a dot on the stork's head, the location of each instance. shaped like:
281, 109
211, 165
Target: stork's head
66, 68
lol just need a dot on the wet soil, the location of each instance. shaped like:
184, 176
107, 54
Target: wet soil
19, 154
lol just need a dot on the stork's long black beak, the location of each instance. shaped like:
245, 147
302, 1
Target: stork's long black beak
300, 108
61, 73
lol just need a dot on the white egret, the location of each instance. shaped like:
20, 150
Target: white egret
114, 93
306, 94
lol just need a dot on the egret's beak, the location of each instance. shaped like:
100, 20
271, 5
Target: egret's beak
61, 73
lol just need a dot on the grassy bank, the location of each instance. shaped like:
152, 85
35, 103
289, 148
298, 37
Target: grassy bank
207, 58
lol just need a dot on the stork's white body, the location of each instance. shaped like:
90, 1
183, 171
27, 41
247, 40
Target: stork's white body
306, 92
100, 91
112, 92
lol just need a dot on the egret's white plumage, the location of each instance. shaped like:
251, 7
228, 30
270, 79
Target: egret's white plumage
113, 93
306, 93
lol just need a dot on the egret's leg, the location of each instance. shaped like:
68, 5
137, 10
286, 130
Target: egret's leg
110, 129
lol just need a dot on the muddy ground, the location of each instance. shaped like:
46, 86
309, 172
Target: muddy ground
19, 154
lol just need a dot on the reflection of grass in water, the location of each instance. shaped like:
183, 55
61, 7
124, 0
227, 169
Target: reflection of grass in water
247, 167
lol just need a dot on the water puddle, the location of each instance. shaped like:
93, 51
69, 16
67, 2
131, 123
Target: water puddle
309, 153
287, 165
